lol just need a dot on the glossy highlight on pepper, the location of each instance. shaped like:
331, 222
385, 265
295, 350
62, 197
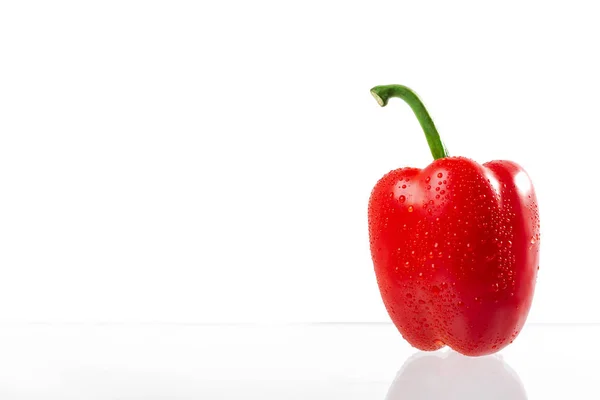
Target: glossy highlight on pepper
455, 245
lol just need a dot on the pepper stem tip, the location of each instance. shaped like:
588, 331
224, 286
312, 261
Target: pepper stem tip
380, 101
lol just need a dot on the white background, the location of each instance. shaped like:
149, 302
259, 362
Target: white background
211, 161
292, 362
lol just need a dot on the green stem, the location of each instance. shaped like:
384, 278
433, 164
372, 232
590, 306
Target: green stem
383, 93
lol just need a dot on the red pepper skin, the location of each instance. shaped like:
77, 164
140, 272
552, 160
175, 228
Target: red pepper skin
455, 247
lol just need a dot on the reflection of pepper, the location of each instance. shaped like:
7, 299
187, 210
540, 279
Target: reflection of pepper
456, 377
454, 246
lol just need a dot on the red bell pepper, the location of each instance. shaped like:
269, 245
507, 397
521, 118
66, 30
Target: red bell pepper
455, 246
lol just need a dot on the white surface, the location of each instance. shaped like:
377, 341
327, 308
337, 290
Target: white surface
211, 160
286, 362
